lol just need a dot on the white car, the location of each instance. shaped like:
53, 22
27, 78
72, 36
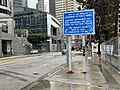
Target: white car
34, 52
64, 51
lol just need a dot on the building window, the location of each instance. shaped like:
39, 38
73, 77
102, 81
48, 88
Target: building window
32, 20
3, 2
38, 19
5, 11
54, 30
53, 41
27, 21
4, 26
24, 22
18, 23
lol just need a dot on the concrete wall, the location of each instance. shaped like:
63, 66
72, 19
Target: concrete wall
21, 46
9, 35
52, 22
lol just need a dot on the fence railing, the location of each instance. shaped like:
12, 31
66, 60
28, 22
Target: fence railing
110, 52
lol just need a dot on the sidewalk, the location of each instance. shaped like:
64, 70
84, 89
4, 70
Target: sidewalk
59, 79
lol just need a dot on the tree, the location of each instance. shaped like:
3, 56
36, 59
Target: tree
37, 39
105, 11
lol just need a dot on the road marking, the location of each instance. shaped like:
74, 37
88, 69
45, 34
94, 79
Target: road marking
9, 61
54, 73
44, 65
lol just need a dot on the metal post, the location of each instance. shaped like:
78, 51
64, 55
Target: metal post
84, 56
93, 52
84, 47
69, 57
68, 46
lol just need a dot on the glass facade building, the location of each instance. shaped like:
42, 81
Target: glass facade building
35, 21
39, 22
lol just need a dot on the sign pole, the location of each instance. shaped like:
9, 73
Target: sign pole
76, 23
69, 57
84, 49
68, 44
84, 55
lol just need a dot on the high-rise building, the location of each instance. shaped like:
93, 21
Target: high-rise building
118, 11
47, 6
61, 7
40, 5
65, 6
19, 5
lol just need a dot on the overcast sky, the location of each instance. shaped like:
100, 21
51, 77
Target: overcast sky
32, 3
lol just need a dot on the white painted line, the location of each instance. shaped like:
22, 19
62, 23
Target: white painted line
54, 73
44, 65
52, 61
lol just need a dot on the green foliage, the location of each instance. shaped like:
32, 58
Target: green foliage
36, 38
105, 9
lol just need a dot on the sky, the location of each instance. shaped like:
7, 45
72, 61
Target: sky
32, 3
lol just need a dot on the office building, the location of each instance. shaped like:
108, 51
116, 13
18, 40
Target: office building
40, 5
19, 5
47, 6
62, 6
6, 27
39, 22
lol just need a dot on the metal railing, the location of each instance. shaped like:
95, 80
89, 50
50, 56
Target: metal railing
110, 52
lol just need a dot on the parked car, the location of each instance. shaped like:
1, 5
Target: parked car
64, 51
34, 52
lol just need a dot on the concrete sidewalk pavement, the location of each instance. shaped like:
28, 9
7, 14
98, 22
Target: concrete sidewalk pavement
59, 79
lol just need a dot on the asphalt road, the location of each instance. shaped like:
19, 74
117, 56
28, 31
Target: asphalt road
16, 73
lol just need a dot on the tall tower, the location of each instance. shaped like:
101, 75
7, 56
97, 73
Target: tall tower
60, 6
63, 6
40, 5
47, 6
18, 5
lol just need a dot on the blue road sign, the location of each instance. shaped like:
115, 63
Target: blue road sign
79, 22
